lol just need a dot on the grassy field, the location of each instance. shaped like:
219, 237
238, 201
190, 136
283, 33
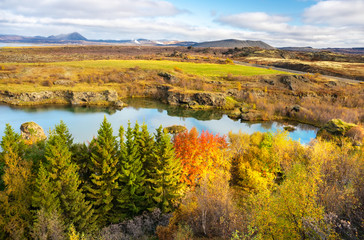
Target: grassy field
199, 69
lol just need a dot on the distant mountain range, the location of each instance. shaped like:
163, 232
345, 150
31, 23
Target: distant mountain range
232, 43
76, 38
337, 50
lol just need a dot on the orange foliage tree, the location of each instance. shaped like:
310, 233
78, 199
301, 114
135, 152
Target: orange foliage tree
199, 155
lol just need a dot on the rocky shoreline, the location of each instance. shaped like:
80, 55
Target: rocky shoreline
108, 98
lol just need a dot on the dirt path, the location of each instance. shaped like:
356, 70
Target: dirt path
347, 80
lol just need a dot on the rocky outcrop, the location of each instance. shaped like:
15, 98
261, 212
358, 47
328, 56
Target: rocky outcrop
252, 115
108, 97
91, 98
194, 99
335, 129
31, 131
169, 78
246, 114
174, 129
293, 82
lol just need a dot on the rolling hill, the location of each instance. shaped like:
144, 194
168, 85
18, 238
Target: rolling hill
232, 43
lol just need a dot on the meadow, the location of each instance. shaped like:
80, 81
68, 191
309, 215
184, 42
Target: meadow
262, 94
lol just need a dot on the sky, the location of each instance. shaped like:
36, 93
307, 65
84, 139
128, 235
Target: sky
280, 23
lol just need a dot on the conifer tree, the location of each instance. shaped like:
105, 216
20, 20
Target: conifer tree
131, 199
15, 200
63, 132
81, 156
44, 194
64, 177
104, 173
166, 174
145, 144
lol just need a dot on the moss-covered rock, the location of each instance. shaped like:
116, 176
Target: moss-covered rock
32, 132
175, 129
289, 128
336, 127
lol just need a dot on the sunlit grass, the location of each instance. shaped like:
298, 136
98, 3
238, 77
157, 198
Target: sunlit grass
199, 69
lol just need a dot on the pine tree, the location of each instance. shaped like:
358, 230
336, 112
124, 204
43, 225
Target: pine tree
131, 199
15, 200
44, 194
63, 132
81, 156
166, 174
64, 177
104, 173
145, 145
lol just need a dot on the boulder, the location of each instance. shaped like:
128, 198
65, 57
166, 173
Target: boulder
252, 115
287, 81
235, 114
32, 132
177, 98
169, 78
289, 128
336, 127
120, 104
175, 129
356, 134
210, 99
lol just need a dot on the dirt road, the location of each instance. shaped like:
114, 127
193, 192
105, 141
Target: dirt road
296, 72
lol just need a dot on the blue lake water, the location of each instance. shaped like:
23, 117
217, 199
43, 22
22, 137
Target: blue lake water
83, 123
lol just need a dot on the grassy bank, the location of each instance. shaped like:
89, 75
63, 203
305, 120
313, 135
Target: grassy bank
264, 94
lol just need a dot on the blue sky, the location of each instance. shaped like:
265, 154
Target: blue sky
316, 23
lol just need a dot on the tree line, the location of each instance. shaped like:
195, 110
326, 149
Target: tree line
258, 186
56, 184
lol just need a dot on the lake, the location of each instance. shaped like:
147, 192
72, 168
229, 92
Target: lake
83, 122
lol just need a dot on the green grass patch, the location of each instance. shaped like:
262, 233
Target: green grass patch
199, 69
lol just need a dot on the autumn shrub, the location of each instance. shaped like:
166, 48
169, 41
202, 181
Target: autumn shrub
200, 154
178, 69
356, 134
282, 213
48, 226
208, 211
229, 61
341, 179
139, 227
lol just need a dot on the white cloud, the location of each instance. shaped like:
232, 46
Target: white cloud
108, 9
330, 23
336, 13
256, 20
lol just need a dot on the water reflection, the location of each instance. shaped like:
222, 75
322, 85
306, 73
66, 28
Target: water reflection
83, 122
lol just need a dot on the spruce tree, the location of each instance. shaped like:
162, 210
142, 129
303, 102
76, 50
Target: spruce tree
65, 179
145, 145
62, 131
15, 199
131, 199
104, 173
44, 194
166, 173
81, 156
